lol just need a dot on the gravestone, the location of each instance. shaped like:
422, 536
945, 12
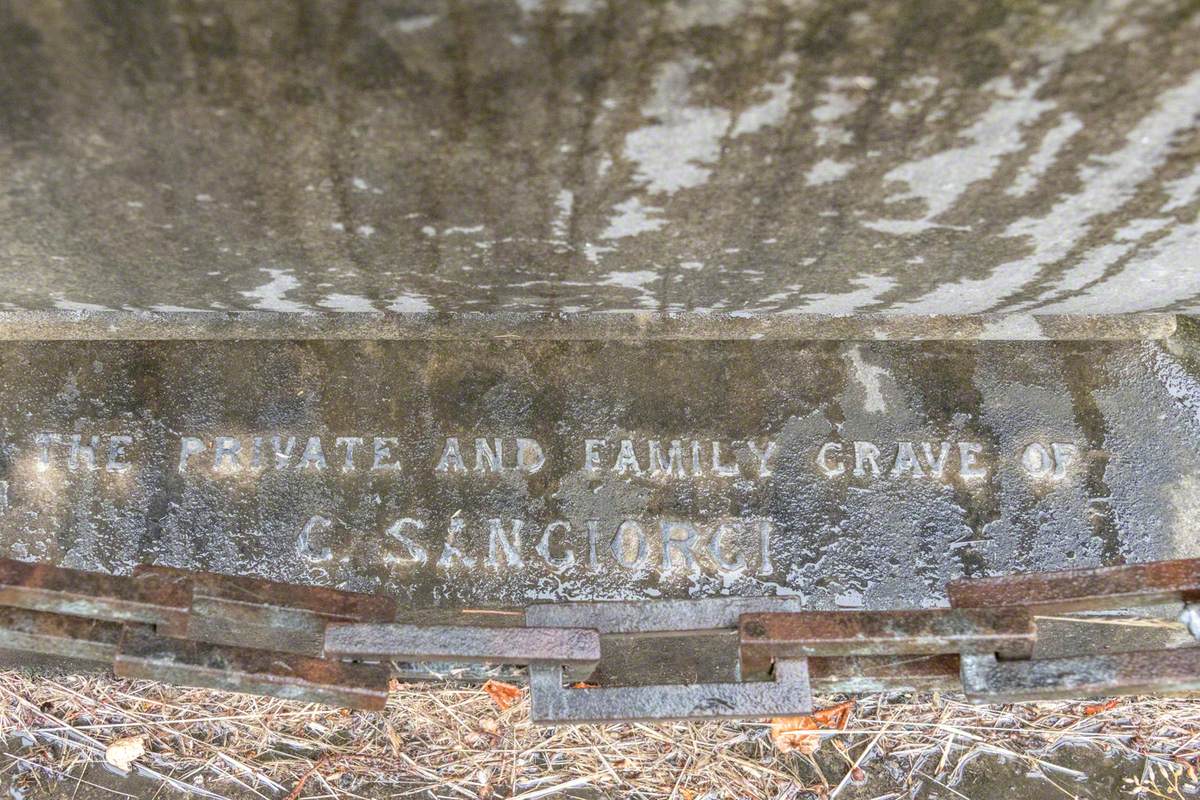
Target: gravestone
550, 300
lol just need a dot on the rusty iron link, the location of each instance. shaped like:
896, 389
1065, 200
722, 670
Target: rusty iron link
246, 634
1098, 589
575, 649
145, 654
150, 598
936, 631
987, 678
729, 657
552, 702
251, 612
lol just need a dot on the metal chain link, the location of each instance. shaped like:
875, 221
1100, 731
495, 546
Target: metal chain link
324, 645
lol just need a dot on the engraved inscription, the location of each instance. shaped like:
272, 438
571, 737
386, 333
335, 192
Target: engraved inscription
1049, 461
678, 458
78, 452
934, 460
726, 547
231, 454
600, 458
727, 539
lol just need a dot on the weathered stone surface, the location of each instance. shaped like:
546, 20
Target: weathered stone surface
570, 155
585, 233
1050, 454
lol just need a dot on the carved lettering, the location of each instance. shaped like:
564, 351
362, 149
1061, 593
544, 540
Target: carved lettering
382, 446
43, 442
937, 466
671, 542
627, 460
304, 543
1037, 460
968, 465
727, 470
661, 459
82, 454
727, 547
764, 456
417, 554
349, 443
717, 547
543, 547
827, 459
593, 536
451, 552
630, 556
489, 458
283, 456
499, 542
530, 456
116, 454
227, 453
764, 549
451, 460
865, 453
313, 456
1050, 462
672, 465
189, 446
907, 459
591, 455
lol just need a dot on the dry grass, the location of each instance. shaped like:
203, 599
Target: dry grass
455, 743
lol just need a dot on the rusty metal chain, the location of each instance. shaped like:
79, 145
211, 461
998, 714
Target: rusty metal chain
336, 647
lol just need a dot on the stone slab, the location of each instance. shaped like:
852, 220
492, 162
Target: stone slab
490, 474
757, 157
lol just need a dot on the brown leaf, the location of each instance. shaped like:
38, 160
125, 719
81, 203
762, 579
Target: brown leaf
504, 695
1091, 711
835, 716
792, 734
121, 753
802, 734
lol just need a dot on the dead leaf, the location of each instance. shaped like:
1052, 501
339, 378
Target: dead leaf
121, 753
793, 734
504, 695
1091, 711
803, 734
